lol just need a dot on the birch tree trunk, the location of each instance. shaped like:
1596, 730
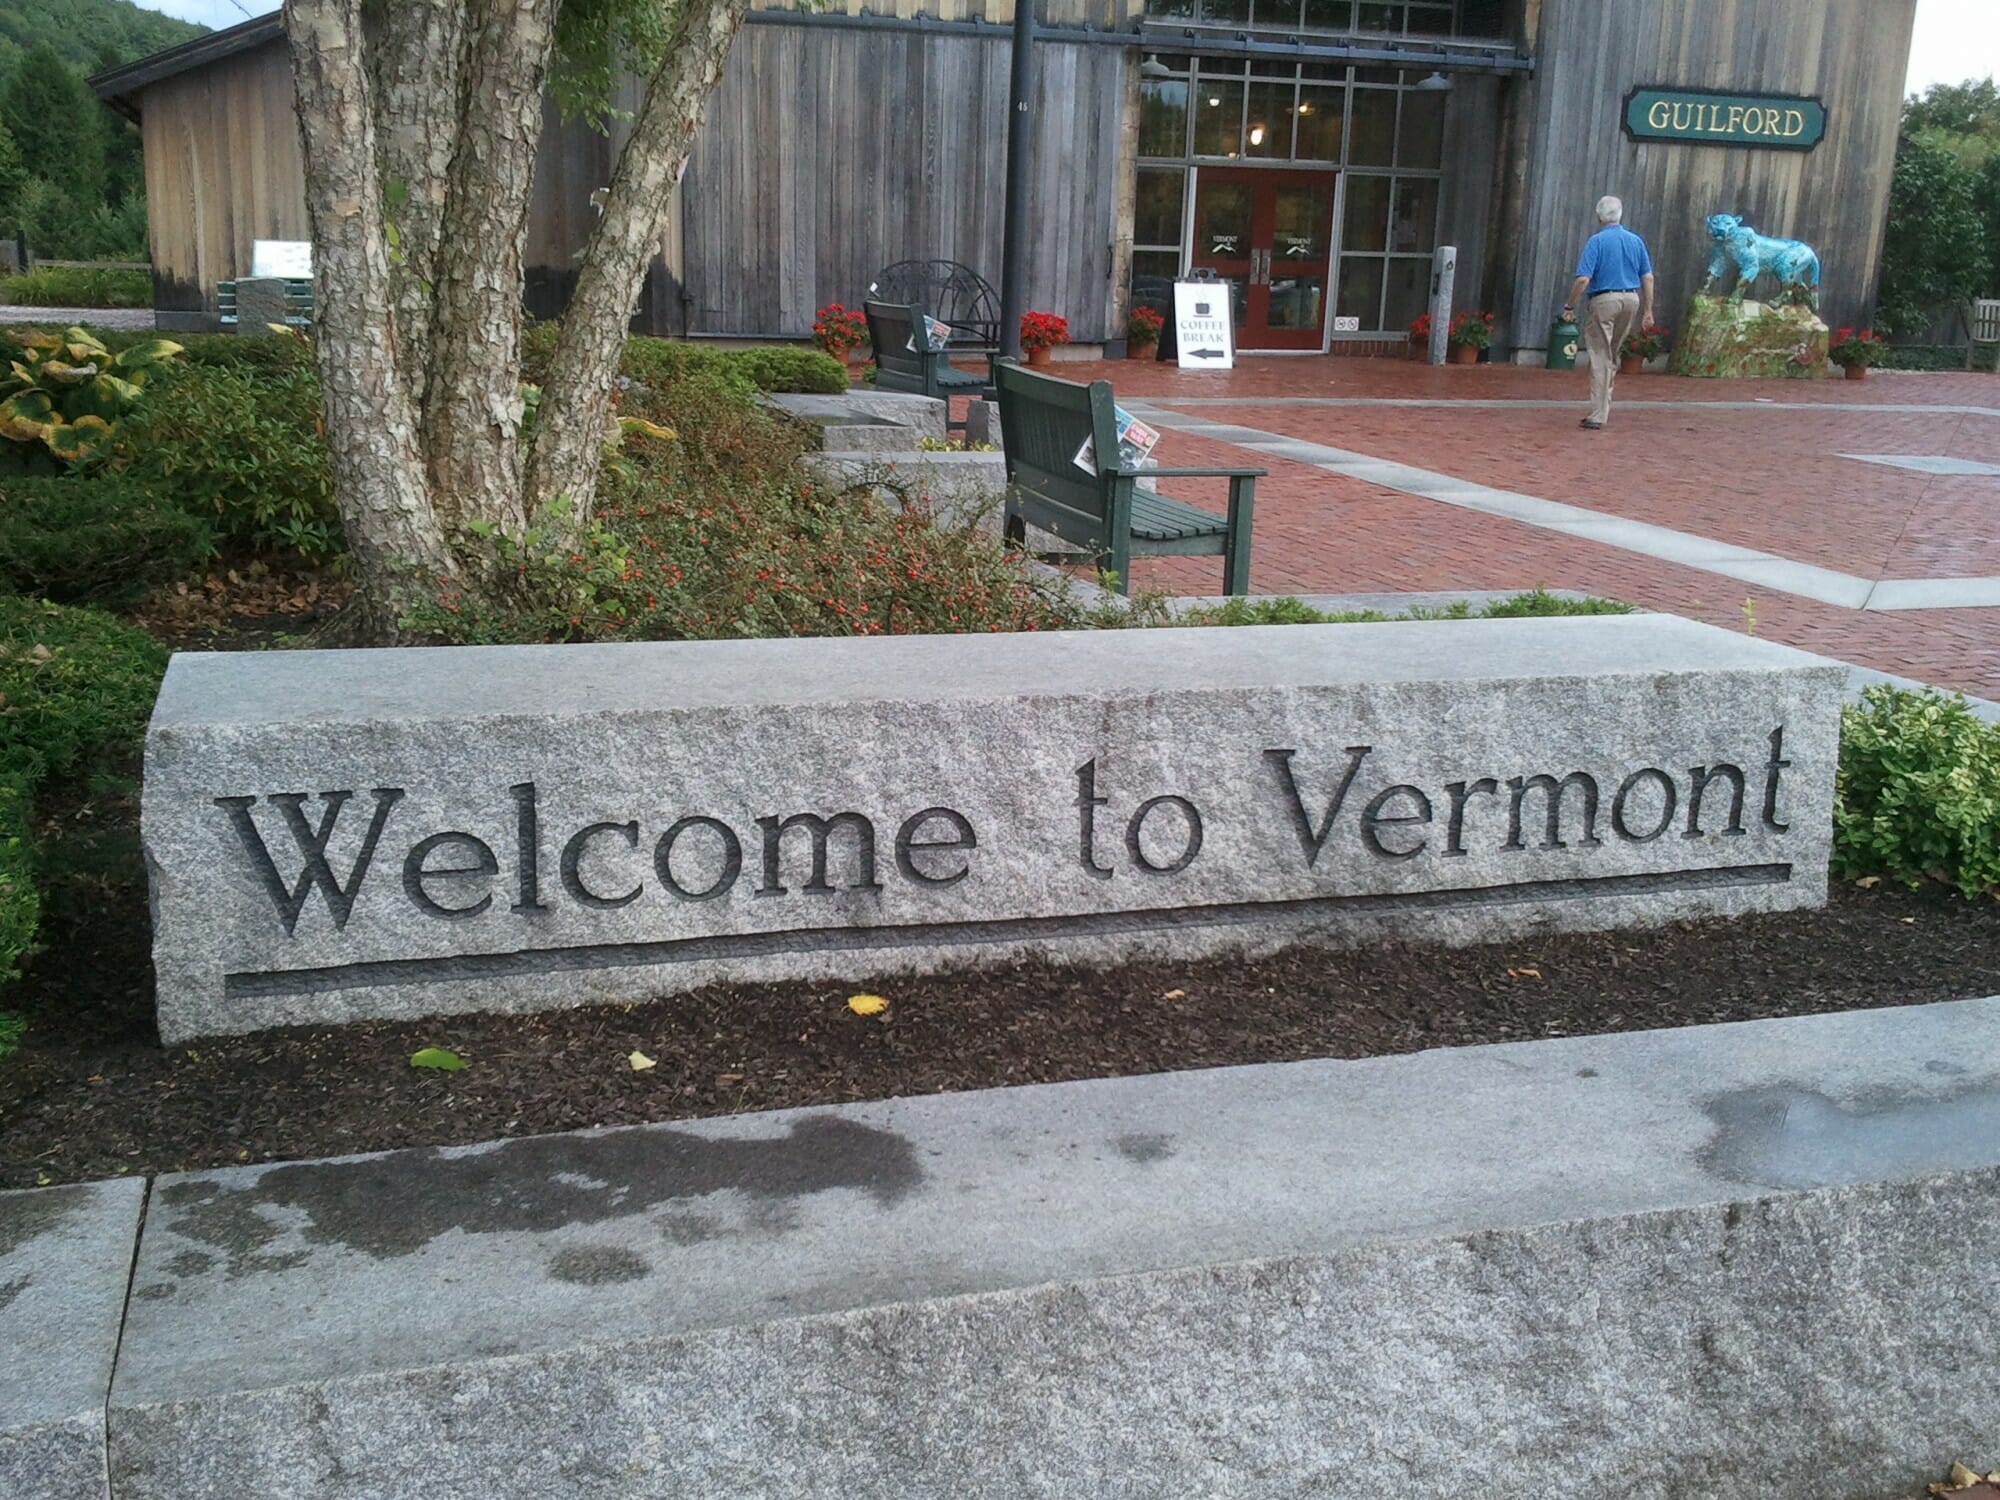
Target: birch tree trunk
416, 64
576, 399
472, 413
371, 422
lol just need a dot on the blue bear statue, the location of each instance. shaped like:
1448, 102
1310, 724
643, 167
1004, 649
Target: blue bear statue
1793, 262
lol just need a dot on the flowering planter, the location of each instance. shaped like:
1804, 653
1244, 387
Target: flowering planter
1464, 354
1148, 350
1631, 364
1038, 359
1857, 372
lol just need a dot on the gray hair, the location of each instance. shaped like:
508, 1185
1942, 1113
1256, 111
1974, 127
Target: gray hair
1609, 210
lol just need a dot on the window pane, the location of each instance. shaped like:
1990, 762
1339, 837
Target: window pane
1319, 122
1374, 17
1413, 225
1367, 214
1409, 290
1268, 131
1283, 13
1158, 219
1226, 12
1360, 290
1482, 18
1163, 117
1171, 10
1330, 15
1153, 273
1218, 118
1222, 222
1430, 20
1421, 144
1371, 127
1303, 215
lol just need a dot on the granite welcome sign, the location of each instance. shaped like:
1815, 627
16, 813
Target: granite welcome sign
334, 835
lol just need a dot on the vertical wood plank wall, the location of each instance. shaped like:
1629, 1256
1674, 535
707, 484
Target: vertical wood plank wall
830, 154
222, 169
1851, 54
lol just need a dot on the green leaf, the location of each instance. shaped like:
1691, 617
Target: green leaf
437, 1057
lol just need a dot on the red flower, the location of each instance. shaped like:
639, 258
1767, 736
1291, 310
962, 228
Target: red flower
1040, 330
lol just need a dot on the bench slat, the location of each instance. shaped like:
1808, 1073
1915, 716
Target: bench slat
1162, 518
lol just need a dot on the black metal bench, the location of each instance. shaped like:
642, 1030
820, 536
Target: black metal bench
1044, 423
951, 293
905, 361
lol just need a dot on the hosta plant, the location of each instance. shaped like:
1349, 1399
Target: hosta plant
67, 391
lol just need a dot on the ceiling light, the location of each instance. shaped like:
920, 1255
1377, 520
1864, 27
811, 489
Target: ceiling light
1256, 135
1437, 83
1152, 67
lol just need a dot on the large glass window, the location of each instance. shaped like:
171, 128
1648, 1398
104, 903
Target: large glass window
1385, 135
1418, 18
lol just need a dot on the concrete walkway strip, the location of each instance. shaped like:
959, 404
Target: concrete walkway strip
1668, 545
1515, 1263
1530, 403
65, 1264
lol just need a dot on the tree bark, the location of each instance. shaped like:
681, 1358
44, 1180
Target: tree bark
472, 411
576, 399
416, 64
371, 423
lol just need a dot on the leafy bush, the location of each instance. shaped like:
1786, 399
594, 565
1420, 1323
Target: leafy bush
666, 362
102, 541
77, 688
67, 392
78, 286
781, 367
1917, 795
238, 441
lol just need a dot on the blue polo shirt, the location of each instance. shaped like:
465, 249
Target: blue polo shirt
1614, 259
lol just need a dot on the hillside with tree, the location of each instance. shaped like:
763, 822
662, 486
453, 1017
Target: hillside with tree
72, 175
88, 35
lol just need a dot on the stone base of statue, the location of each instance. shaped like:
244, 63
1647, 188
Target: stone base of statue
1750, 339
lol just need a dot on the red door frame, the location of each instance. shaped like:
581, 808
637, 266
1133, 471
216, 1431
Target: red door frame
1251, 272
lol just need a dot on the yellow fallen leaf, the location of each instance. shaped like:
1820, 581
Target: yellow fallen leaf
867, 1005
1524, 973
640, 1062
1869, 882
1174, 995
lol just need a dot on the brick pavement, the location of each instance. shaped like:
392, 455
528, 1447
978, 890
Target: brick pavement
1766, 479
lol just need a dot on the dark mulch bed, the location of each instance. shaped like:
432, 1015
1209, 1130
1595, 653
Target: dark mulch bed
93, 1094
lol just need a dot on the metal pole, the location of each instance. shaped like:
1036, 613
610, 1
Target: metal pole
1020, 162
1444, 271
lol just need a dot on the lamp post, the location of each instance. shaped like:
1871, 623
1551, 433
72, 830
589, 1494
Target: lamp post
1020, 162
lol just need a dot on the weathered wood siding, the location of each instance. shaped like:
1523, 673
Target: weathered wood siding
1465, 195
830, 153
1851, 54
222, 169
1105, 15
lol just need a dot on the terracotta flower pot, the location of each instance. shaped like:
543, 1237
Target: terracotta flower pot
1857, 372
1038, 359
1464, 354
1631, 364
1148, 350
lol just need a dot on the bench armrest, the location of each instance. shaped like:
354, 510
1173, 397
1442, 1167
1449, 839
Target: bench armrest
1189, 473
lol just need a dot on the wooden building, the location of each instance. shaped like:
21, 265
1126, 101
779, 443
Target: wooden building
1314, 152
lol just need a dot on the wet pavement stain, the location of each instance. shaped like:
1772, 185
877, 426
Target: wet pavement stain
1144, 1149
9, 1290
29, 1216
597, 1265
393, 1206
1787, 1137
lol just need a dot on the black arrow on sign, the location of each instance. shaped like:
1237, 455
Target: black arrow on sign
1205, 353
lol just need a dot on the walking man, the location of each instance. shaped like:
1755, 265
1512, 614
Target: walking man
1617, 273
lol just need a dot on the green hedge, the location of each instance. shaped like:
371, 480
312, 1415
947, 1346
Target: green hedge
104, 540
78, 687
661, 362
78, 286
1918, 791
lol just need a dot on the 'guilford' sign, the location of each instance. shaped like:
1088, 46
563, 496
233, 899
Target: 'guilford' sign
344, 834
1778, 120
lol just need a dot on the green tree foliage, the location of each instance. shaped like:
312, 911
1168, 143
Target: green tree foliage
57, 122
1939, 251
80, 190
1963, 118
90, 35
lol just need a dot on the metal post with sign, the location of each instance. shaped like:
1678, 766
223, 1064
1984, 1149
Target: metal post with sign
1444, 272
1204, 329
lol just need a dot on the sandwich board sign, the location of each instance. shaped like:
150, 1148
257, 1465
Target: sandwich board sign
1203, 326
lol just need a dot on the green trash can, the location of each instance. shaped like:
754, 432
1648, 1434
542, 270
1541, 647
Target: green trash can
1563, 338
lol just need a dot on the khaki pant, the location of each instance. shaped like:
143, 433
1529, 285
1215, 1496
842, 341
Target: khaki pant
1606, 321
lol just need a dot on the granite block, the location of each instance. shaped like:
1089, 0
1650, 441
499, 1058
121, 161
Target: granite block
333, 834
1748, 1260
65, 1261
962, 488
923, 415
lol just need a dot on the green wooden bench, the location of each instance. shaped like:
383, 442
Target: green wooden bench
1043, 425
892, 329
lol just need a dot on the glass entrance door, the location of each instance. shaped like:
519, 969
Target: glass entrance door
1269, 234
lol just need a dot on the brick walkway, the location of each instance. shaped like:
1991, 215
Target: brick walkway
1754, 465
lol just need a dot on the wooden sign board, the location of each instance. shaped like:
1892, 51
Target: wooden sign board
1203, 326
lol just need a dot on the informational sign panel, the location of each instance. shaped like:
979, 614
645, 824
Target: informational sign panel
291, 260
1783, 122
1203, 326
